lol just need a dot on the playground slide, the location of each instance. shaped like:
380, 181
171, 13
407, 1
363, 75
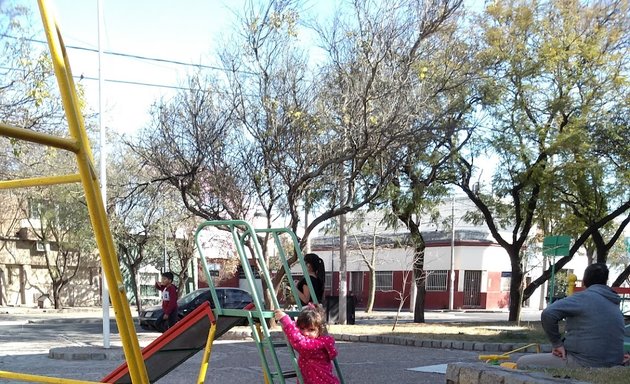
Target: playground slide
177, 344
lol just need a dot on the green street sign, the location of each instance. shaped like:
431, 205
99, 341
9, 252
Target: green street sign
556, 246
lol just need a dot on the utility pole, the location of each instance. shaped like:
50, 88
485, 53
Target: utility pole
451, 286
103, 167
343, 286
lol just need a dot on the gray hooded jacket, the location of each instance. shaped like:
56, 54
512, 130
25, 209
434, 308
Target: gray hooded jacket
594, 332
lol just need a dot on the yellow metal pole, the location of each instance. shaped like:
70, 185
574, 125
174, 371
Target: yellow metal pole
111, 269
40, 181
260, 337
206, 354
42, 379
39, 137
571, 286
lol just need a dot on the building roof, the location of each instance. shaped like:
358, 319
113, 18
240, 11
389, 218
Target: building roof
398, 240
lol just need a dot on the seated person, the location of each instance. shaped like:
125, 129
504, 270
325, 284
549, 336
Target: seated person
594, 333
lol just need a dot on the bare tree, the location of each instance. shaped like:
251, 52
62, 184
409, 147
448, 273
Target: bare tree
280, 136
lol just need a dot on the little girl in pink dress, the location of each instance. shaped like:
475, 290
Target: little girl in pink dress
308, 336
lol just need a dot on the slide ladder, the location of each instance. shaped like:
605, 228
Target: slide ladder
246, 241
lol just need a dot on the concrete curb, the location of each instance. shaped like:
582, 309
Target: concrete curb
477, 373
86, 353
95, 352
477, 346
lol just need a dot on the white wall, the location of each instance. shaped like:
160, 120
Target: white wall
491, 258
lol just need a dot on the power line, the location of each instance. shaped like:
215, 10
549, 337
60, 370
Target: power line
137, 57
129, 82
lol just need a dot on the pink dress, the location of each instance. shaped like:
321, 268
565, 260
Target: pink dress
315, 355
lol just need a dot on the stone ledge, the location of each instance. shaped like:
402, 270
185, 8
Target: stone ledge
86, 353
478, 373
476, 346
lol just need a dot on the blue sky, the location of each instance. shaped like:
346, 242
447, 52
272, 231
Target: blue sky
184, 31
187, 31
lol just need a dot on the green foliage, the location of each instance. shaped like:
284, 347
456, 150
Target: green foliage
553, 74
550, 77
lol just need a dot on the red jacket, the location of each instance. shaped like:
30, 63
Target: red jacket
169, 298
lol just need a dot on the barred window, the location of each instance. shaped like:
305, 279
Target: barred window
384, 280
436, 280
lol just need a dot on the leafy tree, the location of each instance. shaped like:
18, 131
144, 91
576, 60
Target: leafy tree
552, 72
59, 219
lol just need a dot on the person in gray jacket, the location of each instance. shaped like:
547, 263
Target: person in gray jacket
594, 331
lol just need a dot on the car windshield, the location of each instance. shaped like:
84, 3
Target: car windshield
190, 297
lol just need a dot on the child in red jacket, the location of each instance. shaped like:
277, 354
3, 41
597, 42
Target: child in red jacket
169, 302
308, 336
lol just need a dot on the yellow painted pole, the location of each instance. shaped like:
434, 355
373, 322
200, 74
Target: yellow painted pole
206, 354
98, 217
40, 181
260, 337
42, 379
571, 286
39, 137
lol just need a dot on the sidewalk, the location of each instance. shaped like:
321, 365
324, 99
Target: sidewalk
93, 349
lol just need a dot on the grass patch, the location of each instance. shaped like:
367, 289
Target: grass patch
530, 332
615, 375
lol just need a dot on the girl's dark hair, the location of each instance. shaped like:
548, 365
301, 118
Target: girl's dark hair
318, 266
312, 316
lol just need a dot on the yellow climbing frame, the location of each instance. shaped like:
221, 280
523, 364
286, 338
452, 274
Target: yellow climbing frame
78, 143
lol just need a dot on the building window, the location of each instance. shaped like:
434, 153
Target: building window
506, 279
328, 284
384, 280
437, 280
35, 208
148, 291
357, 282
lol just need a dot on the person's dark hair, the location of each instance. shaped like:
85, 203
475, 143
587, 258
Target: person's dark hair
595, 274
312, 316
318, 266
168, 275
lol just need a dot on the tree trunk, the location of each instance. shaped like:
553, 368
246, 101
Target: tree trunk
418, 313
134, 287
372, 292
516, 287
419, 275
420, 280
57, 294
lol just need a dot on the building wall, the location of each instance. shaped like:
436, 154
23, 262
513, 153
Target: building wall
497, 293
24, 277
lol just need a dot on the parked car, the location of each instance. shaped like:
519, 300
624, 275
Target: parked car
229, 298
